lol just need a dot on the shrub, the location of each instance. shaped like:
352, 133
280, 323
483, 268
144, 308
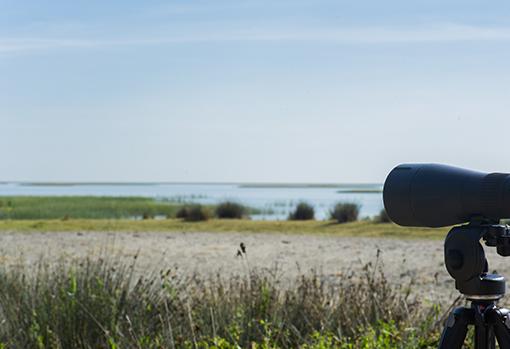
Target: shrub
182, 212
344, 212
196, 213
302, 212
383, 217
230, 210
147, 215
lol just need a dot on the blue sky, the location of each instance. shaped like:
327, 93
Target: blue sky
266, 91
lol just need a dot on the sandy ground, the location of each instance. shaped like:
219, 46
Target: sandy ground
205, 253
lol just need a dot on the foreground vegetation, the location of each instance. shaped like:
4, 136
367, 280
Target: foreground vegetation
101, 304
361, 228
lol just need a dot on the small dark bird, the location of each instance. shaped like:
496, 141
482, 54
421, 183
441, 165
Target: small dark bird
239, 254
243, 247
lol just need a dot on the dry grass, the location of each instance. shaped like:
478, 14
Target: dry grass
362, 228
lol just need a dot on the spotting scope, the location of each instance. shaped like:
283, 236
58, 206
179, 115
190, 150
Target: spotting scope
433, 195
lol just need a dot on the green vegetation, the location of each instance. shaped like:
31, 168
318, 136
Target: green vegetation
230, 210
345, 212
105, 207
118, 213
382, 217
86, 207
182, 212
101, 304
196, 213
361, 228
302, 212
193, 213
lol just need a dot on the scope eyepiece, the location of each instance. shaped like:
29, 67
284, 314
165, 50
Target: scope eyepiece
433, 195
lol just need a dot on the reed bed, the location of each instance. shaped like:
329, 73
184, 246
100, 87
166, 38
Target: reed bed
109, 207
84, 207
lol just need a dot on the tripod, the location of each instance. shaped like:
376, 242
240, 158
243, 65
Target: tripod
491, 324
466, 263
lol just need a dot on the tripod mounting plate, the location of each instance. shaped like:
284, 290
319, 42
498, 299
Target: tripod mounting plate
486, 287
466, 263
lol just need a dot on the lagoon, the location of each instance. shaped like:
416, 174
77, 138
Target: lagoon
274, 201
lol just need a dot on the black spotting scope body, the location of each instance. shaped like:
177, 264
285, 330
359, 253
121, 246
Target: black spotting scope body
433, 195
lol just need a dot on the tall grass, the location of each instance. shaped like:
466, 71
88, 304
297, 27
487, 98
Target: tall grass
101, 304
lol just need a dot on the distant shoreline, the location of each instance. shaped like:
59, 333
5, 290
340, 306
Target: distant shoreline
239, 184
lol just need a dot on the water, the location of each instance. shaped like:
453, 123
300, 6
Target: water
275, 202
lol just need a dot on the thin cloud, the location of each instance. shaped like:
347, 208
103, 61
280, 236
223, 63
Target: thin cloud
373, 35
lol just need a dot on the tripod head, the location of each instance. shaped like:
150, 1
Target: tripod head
466, 262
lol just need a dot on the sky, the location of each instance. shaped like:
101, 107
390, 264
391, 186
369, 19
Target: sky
251, 91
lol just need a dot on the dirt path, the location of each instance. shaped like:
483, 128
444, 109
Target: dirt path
205, 253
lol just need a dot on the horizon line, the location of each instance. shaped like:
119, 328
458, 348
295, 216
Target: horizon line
240, 183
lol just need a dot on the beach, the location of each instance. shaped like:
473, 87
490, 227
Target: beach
415, 262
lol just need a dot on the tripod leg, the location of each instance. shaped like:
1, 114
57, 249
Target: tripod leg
500, 319
455, 329
484, 337
484, 330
